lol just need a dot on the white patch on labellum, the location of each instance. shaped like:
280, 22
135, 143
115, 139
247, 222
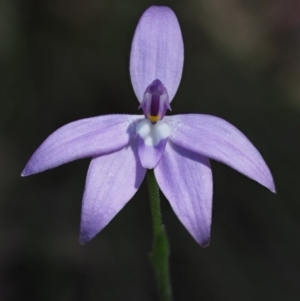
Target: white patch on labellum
153, 133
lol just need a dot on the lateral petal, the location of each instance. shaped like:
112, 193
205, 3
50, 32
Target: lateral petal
185, 178
157, 51
217, 139
82, 138
111, 182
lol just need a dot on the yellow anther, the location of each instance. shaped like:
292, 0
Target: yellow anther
153, 118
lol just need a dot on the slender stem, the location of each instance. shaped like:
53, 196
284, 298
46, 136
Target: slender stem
159, 257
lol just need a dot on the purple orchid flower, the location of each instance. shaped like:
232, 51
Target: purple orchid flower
178, 147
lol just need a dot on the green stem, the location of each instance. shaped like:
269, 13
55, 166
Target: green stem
160, 254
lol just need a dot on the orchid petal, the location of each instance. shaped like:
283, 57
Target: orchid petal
152, 139
111, 182
80, 139
217, 139
185, 178
157, 51
150, 155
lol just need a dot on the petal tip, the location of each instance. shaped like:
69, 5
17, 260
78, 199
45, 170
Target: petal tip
30, 169
268, 183
88, 229
83, 241
203, 241
85, 237
273, 189
26, 172
205, 244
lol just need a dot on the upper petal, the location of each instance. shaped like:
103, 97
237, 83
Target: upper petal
111, 182
217, 139
80, 139
185, 179
156, 51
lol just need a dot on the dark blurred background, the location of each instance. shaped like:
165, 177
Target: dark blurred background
63, 60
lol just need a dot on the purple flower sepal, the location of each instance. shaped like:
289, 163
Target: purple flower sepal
178, 147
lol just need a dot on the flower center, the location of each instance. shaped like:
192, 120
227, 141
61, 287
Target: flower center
153, 134
155, 102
